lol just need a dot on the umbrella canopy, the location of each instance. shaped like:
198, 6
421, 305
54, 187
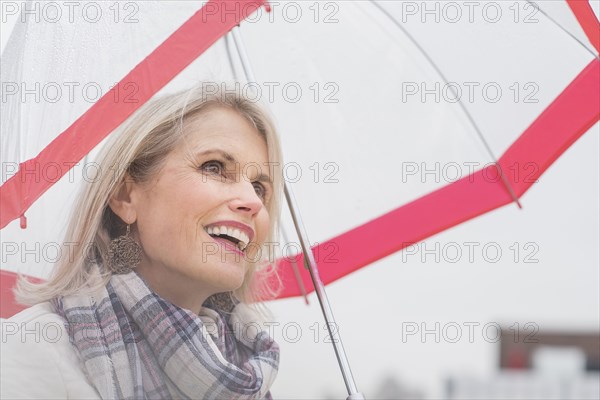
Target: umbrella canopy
392, 114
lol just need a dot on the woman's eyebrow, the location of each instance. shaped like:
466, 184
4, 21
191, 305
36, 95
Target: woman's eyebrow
223, 154
261, 177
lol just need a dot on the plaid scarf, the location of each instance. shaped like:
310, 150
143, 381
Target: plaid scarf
136, 345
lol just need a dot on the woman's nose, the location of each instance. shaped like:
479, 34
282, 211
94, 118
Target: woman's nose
247, 200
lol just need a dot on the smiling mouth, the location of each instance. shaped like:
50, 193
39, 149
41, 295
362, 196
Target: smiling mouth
231, 235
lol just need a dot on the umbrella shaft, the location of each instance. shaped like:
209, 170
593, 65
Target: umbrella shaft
322, 296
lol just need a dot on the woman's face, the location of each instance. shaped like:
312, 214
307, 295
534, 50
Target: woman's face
217, 178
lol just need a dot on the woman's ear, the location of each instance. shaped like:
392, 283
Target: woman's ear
121, 202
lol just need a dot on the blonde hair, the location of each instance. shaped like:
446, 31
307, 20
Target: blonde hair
139, 148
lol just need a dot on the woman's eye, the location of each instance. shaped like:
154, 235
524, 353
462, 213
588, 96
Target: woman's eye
213, 167
260, 190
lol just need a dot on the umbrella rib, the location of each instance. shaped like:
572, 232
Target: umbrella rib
230, 57
565, 30
296, 270
460, 103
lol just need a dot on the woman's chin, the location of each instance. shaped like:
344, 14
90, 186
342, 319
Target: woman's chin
231, 279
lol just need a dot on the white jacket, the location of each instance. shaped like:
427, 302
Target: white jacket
37, 361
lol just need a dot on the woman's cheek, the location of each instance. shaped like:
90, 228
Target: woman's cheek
265, 222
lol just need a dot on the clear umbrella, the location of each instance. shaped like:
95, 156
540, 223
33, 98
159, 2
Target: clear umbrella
394, 115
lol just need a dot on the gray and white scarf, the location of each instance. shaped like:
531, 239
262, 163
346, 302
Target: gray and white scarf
136, 345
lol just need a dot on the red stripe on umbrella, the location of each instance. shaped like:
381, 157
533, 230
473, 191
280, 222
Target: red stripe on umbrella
587, 19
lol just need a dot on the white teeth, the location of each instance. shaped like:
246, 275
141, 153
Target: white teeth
236, 233
233, 232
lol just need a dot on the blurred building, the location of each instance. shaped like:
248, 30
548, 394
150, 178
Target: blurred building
538, 366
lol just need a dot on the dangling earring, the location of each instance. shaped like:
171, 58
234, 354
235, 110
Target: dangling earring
124, 254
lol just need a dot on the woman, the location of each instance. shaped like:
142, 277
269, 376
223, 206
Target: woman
154, 299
